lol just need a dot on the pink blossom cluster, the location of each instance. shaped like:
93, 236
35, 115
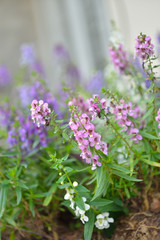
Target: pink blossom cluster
123, 112
40, 112
87, 138
158, 119
80, 103
144, 47
96, 105
119, 58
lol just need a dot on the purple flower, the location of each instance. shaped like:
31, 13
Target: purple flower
60, 53
5, 77
37, 67
96, 83
37, 91
27, 54
12, 137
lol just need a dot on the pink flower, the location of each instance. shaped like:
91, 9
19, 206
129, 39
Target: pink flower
136, 136
95, 162
40, 112
95, 141
144, 47
119, 58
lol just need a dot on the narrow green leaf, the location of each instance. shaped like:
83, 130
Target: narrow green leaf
81, 189
148, 113
19, 194
22, 185
119, 168
102, 183
125, 176
47, 200
148, 135
100, 202
52, 190
31, 207
88, 228
155, 164
79, 202
3, 198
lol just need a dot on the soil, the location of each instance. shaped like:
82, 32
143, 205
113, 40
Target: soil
143, 223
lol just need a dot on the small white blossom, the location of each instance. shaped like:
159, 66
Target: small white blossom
72, 204
70, 194
79, 211
103, 221
75, 184
84, 218
116, 38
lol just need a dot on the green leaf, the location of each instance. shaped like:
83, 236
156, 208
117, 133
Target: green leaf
12, 236
3, 198
111, 208
119, 168
19, 195
31, 207
125, 176
82, 189
8, 154
155, 164
22, 185
100, 202
148, 135
88, 228
65, 136
11, 221
79, 202
52, 190
102, 183
148, 113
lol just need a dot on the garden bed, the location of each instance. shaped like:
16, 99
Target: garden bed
143, 223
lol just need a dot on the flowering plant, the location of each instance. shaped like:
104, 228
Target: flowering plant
91, 162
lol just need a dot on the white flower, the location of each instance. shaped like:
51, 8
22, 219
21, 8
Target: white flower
103, 221
79, 211
70, 194
75, 184
116, 39
100, 221
72, 204
84, 218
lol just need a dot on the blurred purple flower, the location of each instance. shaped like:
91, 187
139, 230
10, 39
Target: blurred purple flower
26, 134
37, 91
138, 66
60, 53
148, 83
158, 44
12, 137
27, 54
96, 83
6, 118
37, 67
24, 94
5, 77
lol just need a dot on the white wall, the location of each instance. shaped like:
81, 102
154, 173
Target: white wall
135, 16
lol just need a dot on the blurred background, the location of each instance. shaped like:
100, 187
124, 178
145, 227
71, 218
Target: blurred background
81, 26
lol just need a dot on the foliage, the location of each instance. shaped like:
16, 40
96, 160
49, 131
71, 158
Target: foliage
89, 158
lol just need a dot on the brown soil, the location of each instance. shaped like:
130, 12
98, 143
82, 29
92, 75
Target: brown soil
143, 223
